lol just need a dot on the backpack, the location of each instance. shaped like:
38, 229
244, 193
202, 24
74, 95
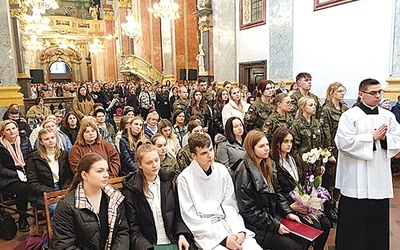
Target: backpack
8, 227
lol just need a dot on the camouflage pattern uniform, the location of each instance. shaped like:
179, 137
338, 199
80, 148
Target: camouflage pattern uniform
209, 97
184, 157
180, 104
170, 164
307, 136
329, 120
274, 121
295, 100
257, 114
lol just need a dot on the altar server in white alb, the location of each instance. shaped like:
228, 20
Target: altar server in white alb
208, 204
367, 137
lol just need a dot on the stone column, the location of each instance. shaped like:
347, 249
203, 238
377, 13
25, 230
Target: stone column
393, 90
224, 41
281, 40
9, 89
205, 52
168, 45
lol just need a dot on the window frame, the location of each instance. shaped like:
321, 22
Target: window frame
243, 13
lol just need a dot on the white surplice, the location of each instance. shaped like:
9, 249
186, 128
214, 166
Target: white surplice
363, 173
209, 208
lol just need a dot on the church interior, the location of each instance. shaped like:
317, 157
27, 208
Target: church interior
241, 41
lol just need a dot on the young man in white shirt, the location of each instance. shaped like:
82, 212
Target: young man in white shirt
208, 203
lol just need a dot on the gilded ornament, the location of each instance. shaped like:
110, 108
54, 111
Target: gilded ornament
125, 3
108, 15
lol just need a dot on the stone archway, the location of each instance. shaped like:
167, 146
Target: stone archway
60, 71
67, 55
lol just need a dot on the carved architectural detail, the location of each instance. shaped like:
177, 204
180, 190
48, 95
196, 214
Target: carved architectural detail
134, 65
125, 3
55, 53
108, 15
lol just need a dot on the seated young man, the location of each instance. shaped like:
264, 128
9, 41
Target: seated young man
207, 201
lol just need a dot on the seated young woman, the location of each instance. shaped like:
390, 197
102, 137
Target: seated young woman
167, 160
260, 202
152, 207
230, 149
47, 168
92, 214
289, 171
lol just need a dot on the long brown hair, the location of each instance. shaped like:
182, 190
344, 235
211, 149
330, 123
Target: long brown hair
134, 139
142, 149
42, 149
277, 139
202, 108
265, 166
84, 165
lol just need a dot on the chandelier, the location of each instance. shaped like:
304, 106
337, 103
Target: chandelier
40, 6
131, 28
165, 9
96, 46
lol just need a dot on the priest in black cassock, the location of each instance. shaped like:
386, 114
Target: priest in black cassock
367, 138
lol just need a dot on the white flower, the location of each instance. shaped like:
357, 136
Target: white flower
305, 157
325, 160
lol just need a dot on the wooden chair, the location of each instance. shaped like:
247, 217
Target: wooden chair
39, 221
49, 199
116, 182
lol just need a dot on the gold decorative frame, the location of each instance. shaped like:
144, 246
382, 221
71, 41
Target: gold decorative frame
245, 15
323, 4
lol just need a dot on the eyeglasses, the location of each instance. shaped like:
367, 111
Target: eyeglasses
374, 93
344, 91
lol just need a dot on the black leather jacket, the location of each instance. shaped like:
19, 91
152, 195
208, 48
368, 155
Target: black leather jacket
140, 216
260, 207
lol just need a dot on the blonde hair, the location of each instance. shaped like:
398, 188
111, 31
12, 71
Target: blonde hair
239, 103
42, 149
143, 148
265, 166
333, 87
152, 115
302, 104
4, 124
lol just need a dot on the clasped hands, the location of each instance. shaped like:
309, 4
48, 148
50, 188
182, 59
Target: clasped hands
235, 241
380, 133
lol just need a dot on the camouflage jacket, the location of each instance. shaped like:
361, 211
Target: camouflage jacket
274, 121
257, 114
180, 104
295, 100
170, 164
307, 135
329, 120
209, 96
184, 158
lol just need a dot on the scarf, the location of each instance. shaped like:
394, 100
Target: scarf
16, 154
115, 199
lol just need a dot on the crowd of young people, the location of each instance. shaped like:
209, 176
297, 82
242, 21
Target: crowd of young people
176, 191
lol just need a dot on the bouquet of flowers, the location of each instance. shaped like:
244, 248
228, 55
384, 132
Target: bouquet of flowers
311, 196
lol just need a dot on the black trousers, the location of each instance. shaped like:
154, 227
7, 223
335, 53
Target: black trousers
276, 241
323, 224
21, 190
363, 224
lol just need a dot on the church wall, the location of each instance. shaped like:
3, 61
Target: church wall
345, 43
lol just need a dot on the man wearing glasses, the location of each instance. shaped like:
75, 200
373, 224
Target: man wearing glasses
367, 137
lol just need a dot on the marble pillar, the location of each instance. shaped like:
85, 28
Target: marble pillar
280, 20
224, 40
9, 89
393, 90
167, 42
